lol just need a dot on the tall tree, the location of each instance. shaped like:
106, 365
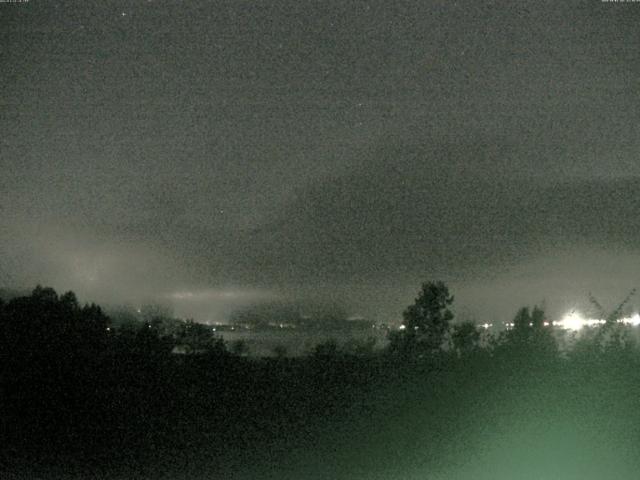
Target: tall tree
426, 322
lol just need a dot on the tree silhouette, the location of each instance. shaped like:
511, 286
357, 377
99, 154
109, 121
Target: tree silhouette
613, 336
280, 351
198, 338
240, 348
529, 339
465, 337
426, 322
44, 325
326, 350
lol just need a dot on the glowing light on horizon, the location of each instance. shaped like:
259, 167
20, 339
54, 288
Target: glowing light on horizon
576, 321
633, 320
221, 294
572, 321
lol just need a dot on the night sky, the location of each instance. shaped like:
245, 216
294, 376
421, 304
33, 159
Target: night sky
334, 151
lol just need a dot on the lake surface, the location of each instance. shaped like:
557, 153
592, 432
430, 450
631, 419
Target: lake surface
299, 342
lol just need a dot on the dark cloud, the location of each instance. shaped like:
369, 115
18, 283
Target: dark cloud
336, 150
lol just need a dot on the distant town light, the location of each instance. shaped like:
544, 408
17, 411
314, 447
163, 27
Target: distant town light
575, 321
633, 320
572, 321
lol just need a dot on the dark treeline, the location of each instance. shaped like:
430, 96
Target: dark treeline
83, 397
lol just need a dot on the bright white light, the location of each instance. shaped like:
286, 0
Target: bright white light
633, 320
575, 321
572, 321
